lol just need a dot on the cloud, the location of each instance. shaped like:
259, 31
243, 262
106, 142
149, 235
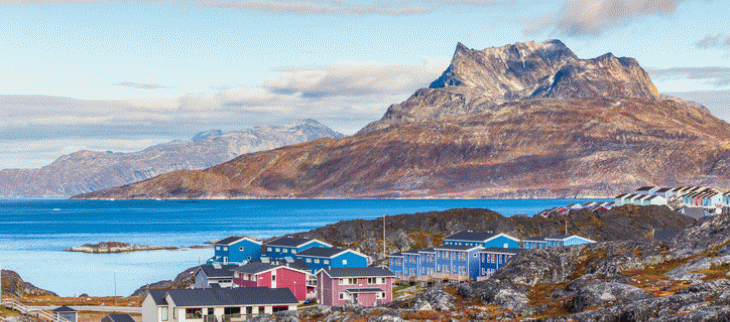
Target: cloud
308, 7
719, 41
345, 95
140, 86
716, 76
579, 18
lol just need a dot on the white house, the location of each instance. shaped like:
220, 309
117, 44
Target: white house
215, 304
215, 275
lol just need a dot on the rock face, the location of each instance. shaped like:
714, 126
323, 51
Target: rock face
521, 121
86, 171
14, 285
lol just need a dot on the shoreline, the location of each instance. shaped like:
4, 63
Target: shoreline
113, 247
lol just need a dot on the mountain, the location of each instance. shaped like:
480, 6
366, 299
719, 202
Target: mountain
86, 171
523, 120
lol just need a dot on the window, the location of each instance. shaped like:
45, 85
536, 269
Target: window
475, 255
277, 249
505, 245
235, 274
225, 249
326, 262
316, 260
217, 248
268, 249
193, 313
413, 271
344, 262
423, 270
273, 277
174, 314
446, 255
240, 248
286, 250
484, 272
380, 295
309, 260
163, 313
293, 251
483, 258
462, 270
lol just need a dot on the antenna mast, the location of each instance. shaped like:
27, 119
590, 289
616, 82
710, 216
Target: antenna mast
383, 236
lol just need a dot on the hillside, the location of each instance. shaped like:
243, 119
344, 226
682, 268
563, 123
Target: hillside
86, 171
524, 120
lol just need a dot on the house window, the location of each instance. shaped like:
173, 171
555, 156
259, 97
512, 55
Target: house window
174, 314
293, 251
309, 260
225, 249
268, 249
217, 248
380, 295
163, 313
462, 270
475, 255
240, 248
316, 260
286, 250
273, 277
505, 245
413, 271
326, 262
344, 262
193, 313
278, 250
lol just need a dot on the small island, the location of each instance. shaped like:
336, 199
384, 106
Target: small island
116, 247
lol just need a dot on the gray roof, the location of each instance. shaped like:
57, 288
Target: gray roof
118, 318
665, 234
455, 247
291, 242
373, 271
471, 236
694, 212
229, 240
63, 309
512, 251
223, 272
558, 237
227, 296
322, 252
398, 254
412, 252
664, 189
535, 238
363, 290
255, 267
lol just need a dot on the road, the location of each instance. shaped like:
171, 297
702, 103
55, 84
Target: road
123, 309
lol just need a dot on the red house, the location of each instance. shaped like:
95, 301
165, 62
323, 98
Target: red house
272, 275
368, 286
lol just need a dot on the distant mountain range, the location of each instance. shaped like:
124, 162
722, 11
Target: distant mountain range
520, 121
86, 171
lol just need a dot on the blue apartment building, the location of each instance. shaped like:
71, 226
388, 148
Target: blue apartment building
319, 258
491, 259
235, 249
486, 240
290, 247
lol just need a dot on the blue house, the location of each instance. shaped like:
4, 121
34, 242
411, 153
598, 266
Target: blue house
396, 264
235, 250
428, 261
318, 258
565, 240
457, 261
486, 240
491, 259
290, 247
534, 242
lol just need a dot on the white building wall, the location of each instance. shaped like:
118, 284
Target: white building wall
201, 281
150, 313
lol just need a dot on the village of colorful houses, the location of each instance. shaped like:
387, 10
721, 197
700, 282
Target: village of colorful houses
246, 277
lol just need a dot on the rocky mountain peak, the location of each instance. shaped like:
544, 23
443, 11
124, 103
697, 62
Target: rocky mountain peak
478, 80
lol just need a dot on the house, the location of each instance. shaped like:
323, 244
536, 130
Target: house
65, 313
589, 204
411, 263
396, 264
486, 240
319, 258
215, 304
290, 247
534, 242
655, 200
665, 192
621, 199
215, 275
368, 286
273, 275
648, 190
492, 259
117, 318
235, 249
574, 206
458, 262
565, 240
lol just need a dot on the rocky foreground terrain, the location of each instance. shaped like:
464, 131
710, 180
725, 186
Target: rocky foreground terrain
86, 171
520, 121
683, 279
14, 285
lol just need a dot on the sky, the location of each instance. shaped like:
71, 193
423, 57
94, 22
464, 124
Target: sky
124, 75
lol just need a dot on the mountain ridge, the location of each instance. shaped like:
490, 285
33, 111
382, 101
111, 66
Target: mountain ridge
86, 170
553, 126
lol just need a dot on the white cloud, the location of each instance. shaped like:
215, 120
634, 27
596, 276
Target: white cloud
719, 41
345, 95
715, 76
140, 86
579, 18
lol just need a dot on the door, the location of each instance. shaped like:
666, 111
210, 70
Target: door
354, 298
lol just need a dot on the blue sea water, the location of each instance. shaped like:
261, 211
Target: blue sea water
34, 233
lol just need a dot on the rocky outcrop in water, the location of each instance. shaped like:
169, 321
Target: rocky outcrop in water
115, 247
528, 120
86, 171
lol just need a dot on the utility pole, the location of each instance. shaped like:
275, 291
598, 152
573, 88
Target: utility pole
383, 236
